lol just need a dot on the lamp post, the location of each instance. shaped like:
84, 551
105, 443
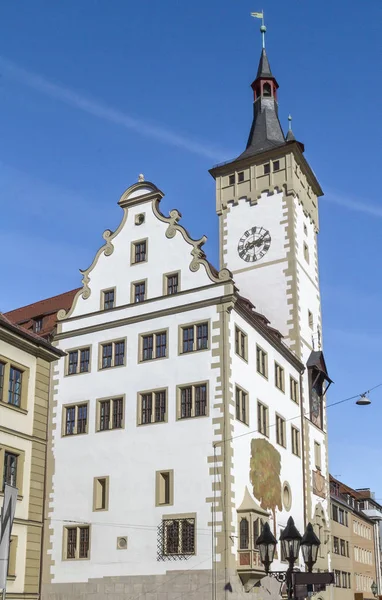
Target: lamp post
291, 541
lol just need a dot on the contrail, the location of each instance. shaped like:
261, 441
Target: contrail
107, 113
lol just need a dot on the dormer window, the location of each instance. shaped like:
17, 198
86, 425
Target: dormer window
267, 90
37, 325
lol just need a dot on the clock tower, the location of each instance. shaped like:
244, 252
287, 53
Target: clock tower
267, 204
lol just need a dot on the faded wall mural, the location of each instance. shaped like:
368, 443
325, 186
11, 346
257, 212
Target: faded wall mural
264, 474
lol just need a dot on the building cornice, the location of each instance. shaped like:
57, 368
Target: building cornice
19, 338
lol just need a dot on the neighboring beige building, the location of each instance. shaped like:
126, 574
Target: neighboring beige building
25, 360
353, 544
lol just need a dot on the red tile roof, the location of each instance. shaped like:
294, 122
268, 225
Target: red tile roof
28, 335
45, 309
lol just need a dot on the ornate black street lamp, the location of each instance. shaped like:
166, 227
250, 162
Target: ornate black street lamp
309, 546
291, 541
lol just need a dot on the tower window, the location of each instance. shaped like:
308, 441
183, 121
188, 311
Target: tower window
306, 252
305, 229
310, 319
267, 90
276, 165
231, 179
267, 169
240, 176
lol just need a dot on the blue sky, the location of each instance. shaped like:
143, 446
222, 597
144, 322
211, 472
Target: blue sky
94, 92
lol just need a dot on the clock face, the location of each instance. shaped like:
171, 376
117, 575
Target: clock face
254, 244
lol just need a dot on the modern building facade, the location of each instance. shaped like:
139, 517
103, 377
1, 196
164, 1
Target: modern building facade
354, 559
25, 361
182, 417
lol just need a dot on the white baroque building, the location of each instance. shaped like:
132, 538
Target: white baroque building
190, 406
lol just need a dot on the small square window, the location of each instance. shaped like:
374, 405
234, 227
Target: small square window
240, 176
267, 168
276, 165
231, 179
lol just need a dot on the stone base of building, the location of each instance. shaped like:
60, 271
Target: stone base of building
173, 585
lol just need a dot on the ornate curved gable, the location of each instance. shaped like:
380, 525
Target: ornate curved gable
170, 249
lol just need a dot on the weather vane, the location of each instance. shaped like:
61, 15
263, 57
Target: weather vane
263, 29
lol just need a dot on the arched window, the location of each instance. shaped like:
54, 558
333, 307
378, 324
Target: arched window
244, 534
267, 90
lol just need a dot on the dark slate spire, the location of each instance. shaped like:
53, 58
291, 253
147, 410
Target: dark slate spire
264, 69
290, 135
266, 131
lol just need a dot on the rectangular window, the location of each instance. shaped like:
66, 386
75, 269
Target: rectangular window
153, 345
164, 488
241, 343
335, 513
310, 319
306, 252
344, 579
101, 493
112, 354
152, 407
108, 299
14, 391
262, 418
2, 373
267, 168
280, 431
192, 401
341, 516
337, 577
342, 548
139, 292
75, 419
240, 176
261, 361
336, 547
279, 377
77, 544
110, 414
231, 179
295, 441
317, 455
194, 337
139, 252
78, 361
10, 469
172, 284
241, 405
178, 537
276, 165
294, 391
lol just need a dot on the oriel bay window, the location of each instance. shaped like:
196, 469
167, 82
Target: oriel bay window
152, 407
112, 354
77, 542
78, 361
110, 413
75, 419
250, 520
192, 401
319, 382
153, 345
194, 337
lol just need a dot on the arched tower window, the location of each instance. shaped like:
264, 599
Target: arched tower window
244, 534
267, 90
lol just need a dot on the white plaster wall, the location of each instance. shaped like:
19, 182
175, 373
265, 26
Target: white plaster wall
131, 456
164, 255
245, 375
262, 282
